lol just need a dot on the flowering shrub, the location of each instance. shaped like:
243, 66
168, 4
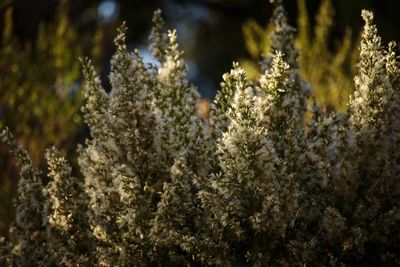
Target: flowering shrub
251, 186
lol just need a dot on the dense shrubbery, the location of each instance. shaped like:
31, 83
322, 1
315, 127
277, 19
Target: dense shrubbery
252, 186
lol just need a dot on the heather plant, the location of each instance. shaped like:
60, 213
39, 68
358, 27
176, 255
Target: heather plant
255, 185
329, 71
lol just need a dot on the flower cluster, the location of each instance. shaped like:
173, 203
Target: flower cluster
254, 185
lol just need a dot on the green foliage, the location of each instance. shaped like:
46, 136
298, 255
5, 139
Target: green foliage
253, 186
329, 73
38, 85
39, 94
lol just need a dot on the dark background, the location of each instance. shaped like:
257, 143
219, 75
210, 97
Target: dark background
210, 31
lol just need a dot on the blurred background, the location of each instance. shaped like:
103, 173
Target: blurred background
41, 40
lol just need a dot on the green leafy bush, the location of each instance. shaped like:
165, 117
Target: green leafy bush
251, 186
